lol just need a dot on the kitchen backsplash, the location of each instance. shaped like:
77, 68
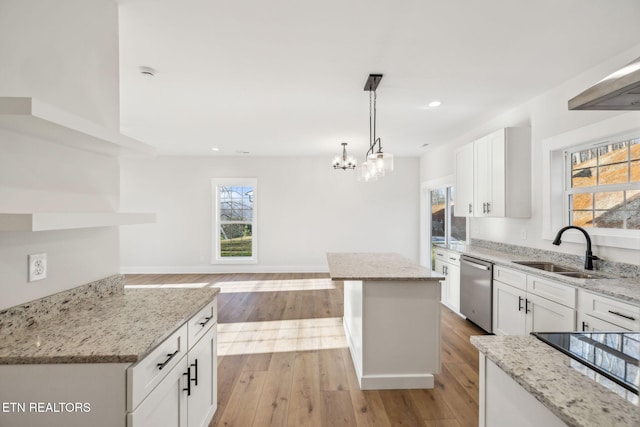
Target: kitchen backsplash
609, 267
43, 309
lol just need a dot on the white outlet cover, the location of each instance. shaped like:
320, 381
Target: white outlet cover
37, 267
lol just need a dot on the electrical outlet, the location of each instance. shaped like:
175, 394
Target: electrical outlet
37, 267
523, 234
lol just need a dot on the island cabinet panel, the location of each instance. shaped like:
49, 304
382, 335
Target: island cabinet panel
503, 402
63, 395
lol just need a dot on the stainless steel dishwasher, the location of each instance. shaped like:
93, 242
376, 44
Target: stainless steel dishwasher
476, 287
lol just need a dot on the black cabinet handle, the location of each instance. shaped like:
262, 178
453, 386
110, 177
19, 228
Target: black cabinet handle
526, 306
488, 207
470, 208
195, 368
188, 374
520, 303
585, 326
622, 315
169, 357
206, 320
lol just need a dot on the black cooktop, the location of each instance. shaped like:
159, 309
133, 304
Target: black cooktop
612, 354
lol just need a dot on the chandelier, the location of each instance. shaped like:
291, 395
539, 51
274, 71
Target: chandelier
344, 162
376, 162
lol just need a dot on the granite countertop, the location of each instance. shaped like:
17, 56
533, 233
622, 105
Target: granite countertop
377, 266
118, 328
547, 374
626, 289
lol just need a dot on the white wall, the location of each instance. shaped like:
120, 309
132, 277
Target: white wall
548, 116
66, 54
305, 210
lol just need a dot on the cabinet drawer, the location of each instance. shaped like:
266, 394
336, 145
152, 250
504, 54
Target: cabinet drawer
617, 312
442, 254
453, 258
202, 321
510, 277
557, 292
145, 375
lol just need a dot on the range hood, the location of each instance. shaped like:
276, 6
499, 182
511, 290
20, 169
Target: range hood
619, 91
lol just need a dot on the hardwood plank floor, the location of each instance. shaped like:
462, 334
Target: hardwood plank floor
283, 360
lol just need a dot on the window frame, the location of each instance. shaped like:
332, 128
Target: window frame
554, 203
569, 190
216, 257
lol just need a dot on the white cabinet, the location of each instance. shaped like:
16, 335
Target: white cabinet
202, 369
166, 405
187, 396
465, 181
493, 175
448, 264
600, 313
175, 385
525, 303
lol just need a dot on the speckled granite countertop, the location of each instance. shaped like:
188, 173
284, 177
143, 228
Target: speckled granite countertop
547, 375
118, 328
376, 266
626, 289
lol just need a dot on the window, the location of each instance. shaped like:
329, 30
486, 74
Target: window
603, 185
445, 227
235, 212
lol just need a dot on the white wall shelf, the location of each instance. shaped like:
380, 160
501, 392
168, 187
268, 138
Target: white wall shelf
67, 221
31, 116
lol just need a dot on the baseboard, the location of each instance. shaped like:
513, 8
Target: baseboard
213, 269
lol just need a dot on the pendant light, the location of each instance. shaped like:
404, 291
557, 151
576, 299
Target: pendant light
344, 162
377, 163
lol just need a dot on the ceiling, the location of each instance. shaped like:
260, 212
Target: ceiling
286, 77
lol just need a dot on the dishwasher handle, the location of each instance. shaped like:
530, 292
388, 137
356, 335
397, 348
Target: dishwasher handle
474, 265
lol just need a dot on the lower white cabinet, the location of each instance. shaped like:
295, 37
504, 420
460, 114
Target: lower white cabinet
448, 264
600, 313
187, 396
166, 405
518, 309
175, 385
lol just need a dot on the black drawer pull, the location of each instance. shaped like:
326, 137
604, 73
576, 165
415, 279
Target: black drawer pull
520, 303
585, 326
169, 357
206, 320
188, 389
622, 315
195, 368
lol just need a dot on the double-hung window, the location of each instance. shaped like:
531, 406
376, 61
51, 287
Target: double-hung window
235, 217
602, 187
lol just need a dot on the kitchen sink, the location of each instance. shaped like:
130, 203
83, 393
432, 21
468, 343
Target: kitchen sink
561, 270
547, 266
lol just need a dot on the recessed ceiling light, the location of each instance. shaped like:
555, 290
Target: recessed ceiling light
242, 152
424, 145
215, 149
434, 104
147, 71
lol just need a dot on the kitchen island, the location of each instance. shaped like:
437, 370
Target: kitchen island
104, 355
391, 319
526, 382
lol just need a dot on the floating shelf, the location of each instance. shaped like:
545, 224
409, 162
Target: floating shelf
31, 116
68, 221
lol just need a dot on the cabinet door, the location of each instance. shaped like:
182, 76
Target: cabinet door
508, 310
166, 405
482, 174
497, 157
441, 267
588, 323
453, 279
548, 316
203, 367
464, 181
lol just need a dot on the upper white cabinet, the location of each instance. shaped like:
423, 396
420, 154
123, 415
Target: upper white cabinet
47, 221
493, 175
30, 116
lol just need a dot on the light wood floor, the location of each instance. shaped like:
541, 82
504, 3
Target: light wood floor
283, 360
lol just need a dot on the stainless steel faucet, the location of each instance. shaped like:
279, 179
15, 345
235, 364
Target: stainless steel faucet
589, 257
